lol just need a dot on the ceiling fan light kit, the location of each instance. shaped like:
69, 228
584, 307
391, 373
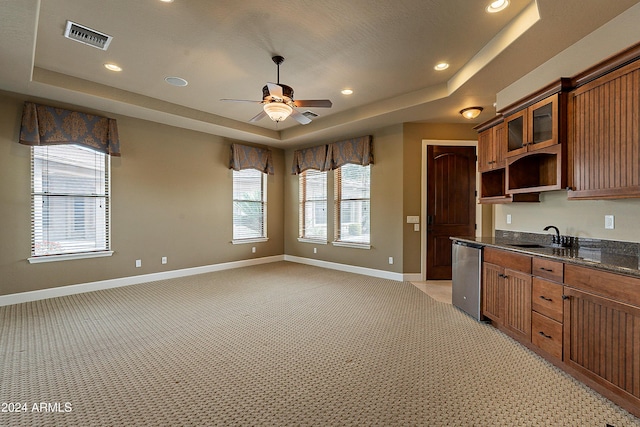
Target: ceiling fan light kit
277, 111
278, 102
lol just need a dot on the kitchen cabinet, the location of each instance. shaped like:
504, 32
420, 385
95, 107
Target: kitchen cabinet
604, 129
537, 126
491, 164
536, 133
491, 146
547, 306
602, 332
506, 292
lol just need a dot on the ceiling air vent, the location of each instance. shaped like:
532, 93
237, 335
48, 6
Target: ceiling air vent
87, 36
310, 114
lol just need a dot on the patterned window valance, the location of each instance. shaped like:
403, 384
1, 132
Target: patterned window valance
358, 151
246, 157
309, 158
44, 125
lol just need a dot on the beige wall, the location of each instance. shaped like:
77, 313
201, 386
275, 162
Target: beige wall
413, 134
171, 196
386, 203
582, 218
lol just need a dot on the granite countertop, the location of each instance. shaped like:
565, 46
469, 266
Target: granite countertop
616, 257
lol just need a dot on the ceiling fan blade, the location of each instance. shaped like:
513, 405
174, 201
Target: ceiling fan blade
258, 116
275, 90
300, 118
242, 100
313, 103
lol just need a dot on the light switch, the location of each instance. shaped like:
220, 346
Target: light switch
416, 227
413, 219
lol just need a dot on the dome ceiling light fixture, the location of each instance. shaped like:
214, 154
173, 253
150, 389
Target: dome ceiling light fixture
471, 112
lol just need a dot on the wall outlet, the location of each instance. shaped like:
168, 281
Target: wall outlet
508, 218
390, 260
138, 263
253, 250
164, 260
315, 250
609, 222
416, 227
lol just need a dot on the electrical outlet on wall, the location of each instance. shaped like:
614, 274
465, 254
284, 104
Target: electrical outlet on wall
508, 218
609, 222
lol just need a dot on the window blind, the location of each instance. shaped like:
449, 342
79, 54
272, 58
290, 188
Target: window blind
70, 200
249, 204
352, 204
313, 205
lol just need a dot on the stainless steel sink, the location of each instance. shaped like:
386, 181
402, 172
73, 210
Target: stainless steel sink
528, 245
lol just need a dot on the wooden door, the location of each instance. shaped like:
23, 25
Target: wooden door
451, 204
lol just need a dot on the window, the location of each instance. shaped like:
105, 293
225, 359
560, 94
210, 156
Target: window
70, 200
249, 205
352, 221
313, 205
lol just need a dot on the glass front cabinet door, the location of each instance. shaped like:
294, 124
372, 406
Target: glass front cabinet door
533, 128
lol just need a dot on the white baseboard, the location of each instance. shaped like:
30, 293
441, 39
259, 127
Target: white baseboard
132, 280
350, 268
143, 278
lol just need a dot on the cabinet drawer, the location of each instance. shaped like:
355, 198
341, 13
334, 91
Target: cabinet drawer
546, 334
507, 259
548, 269
546, 298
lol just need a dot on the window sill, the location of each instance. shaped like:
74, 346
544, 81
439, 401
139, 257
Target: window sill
314, 241
352, 245
243, 241
67, 257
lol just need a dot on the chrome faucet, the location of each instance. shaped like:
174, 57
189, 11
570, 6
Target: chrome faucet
554, 239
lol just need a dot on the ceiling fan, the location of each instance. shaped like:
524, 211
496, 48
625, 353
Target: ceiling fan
278, 102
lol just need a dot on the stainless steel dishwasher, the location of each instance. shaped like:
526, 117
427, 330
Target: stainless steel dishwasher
466, 276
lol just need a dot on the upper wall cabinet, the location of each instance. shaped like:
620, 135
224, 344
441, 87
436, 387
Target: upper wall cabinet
604, 130
538, 121
491, 145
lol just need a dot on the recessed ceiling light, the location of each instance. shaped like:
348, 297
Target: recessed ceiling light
346, 91
441, 66
166, 1
176, 81
497, 6
112, 67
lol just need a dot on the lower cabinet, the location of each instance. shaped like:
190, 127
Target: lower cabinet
602, 335
506, 291
584, 320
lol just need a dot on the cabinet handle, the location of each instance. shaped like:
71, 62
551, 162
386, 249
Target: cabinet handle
545, 335
545, 298
565, 296
550, 270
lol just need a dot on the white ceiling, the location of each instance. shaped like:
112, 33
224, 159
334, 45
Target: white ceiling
384, 50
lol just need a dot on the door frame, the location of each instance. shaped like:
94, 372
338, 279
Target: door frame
480, 209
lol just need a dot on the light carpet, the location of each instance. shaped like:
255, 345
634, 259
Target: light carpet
276, 345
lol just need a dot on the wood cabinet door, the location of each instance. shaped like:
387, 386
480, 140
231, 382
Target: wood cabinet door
492, 291
516, 133
485, 150
542, 123
517, 304
603, 141
602, 341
